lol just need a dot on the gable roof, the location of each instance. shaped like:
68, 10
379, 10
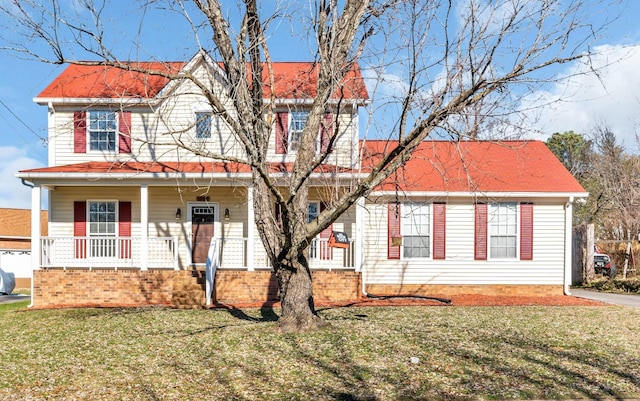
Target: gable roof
476, 167
292, 80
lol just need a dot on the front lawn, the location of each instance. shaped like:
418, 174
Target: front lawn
383, 353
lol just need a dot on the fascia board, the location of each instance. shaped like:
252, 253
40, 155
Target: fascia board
459, 194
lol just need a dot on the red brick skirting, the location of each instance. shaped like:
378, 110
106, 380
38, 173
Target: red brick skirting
156, 287
54, 288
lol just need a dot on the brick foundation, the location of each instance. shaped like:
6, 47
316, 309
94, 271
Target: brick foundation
171, 287
102, 287
158, 287
448, 290
258, 286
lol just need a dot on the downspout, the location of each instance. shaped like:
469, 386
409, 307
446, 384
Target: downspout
568, 245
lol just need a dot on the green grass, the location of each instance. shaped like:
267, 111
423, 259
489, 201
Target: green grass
459, 353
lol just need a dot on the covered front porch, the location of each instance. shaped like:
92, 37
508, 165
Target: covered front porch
110, 223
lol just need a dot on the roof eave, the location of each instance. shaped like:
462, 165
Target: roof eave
482, 194
62, 101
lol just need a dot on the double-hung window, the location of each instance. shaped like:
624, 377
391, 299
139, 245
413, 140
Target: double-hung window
503, 230
102, 130
102, 229
416, 230
298, 122
203, 125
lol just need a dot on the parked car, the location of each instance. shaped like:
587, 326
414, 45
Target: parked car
7, 282
604, 265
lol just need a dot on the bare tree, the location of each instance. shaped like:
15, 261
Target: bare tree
461, 68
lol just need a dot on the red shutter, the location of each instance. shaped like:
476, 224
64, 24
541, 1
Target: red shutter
80, 228
480, 246
124, 127
439, 230
526, 231
393, 230
282, 132
80, 132
326, 253
124, 229
326, 131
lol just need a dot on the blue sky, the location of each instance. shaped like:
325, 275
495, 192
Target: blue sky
613, 100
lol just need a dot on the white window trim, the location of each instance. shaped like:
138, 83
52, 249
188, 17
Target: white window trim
517, 257
195, 125
116, 145
291, 131
88, 220
430, 207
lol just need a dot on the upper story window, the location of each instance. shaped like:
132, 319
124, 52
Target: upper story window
298, 122
289, 127
503, 230
102, 131
203, 125
416, 230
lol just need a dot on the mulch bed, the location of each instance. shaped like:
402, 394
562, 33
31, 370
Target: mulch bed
456, 300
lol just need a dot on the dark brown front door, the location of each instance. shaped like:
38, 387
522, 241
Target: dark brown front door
202, 220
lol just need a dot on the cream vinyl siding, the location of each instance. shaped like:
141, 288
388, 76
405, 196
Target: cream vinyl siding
157, 129
547, 266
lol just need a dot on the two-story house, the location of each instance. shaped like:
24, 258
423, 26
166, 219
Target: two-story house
133, 211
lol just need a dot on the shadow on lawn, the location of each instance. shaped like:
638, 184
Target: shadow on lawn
267, 314
501, 365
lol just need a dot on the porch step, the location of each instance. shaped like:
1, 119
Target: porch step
188, 292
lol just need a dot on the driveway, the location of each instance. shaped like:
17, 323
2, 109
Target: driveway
615, 299
7, 299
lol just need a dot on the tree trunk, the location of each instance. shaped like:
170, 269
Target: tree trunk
296, 296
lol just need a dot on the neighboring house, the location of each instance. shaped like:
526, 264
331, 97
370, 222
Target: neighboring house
15, 243
132, 215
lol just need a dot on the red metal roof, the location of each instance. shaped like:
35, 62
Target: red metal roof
435, 166
292, 80
171, 167
83, 81
476, 166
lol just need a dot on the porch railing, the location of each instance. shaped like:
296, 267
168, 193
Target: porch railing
231, 253
107, 252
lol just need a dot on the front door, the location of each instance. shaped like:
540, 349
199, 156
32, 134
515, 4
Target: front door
202, 230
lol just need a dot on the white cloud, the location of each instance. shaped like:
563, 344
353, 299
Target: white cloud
585, 100
13, 193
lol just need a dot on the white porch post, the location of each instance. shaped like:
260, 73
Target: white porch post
144, 227
36, 194
359, 242
251, 232
36, 201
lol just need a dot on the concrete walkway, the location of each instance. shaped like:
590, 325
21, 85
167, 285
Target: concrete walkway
615, 299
